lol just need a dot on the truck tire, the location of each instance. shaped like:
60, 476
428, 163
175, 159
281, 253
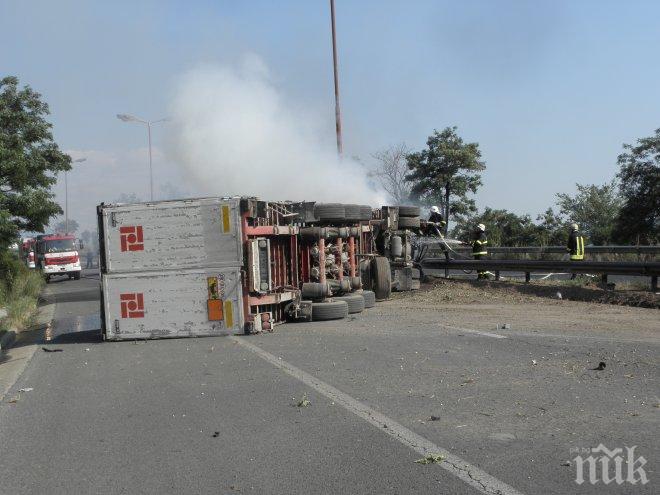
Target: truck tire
369, 298
353, 212
408, 211
355, 302
329, 310
408, 222
365, 273
365, 213
382, 277
330, 212
76, 276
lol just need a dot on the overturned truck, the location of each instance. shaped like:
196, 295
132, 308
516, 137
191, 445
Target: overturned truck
212, 266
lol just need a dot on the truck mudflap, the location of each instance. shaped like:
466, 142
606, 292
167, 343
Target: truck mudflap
168, 304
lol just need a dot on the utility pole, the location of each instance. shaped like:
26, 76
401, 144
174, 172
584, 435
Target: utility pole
334, 63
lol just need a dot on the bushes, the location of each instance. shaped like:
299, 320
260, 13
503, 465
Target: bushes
19, 292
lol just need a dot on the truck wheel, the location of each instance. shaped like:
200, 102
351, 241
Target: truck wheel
329, 310
365, 273
353, 212
47, 279
408, 222
330, 211
369, 298
355, 302
382, 277
76, 276
408, 211
365, 213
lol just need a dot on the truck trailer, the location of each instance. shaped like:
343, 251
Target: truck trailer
226, 265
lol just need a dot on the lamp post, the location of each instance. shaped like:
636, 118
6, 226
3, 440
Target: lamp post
336, 78
131, 118
66, 194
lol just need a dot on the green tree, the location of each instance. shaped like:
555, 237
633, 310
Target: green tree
594, 208
639, 218
445, 173
29, 162
552, 229
504, 228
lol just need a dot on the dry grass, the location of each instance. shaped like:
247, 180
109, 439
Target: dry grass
19, 295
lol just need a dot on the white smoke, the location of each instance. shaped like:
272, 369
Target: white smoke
235, 135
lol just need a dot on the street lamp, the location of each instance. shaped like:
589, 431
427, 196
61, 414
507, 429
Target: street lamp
130, 118
66, 194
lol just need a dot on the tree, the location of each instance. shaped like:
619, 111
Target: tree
594, 208
639, 218
445, 173
391, 171
61, 226
29, 161
552, 229
504, 228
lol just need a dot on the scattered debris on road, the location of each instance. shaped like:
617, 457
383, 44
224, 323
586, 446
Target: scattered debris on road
434, 418
430, 459
27, 389
304, 402
566, 463
600, 367
216, 434
46, 349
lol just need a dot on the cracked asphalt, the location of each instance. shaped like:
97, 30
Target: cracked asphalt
212, 416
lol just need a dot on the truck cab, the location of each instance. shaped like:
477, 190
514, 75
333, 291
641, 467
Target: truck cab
57, 254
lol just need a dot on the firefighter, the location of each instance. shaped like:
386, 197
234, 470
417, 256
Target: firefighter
575, 246
479, 249
435, 223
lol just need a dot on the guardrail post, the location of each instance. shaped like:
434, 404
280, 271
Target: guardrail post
497, 274
654, 283
447, 260
603, 278
528, 276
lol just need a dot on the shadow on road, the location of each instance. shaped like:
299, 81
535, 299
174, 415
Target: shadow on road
77, 296
84, 337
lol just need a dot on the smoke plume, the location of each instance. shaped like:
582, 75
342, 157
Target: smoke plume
235, 135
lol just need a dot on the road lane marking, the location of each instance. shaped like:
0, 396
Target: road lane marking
477, 332
471, 475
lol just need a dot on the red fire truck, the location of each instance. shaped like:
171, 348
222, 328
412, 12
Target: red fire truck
57, 254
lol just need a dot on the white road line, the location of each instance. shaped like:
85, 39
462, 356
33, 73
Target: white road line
472, 475
477, 332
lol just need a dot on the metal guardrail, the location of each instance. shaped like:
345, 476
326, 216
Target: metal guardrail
562, 249
604, 268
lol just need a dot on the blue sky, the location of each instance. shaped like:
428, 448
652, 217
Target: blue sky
549, 89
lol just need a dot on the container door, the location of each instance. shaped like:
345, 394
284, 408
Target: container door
172, 235
173, 304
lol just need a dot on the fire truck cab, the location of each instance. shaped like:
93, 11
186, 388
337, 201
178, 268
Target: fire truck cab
57, 254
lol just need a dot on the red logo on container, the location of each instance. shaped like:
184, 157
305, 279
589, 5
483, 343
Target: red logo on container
131, 238
132, 305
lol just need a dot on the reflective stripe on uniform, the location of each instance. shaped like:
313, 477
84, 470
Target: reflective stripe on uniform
579, 251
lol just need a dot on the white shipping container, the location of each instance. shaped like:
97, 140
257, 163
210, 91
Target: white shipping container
182, 303
172, 235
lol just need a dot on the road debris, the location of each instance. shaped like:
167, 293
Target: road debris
566, 463
534, 362
46, 349
434, 418
27, 389
600, 367
14, 399
430, 459
216, 434
304, 402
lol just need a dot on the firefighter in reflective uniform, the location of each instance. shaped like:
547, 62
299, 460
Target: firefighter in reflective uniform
575, 246
435, 223
479, 249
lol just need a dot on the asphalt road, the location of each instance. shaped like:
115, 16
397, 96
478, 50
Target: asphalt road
220, 415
